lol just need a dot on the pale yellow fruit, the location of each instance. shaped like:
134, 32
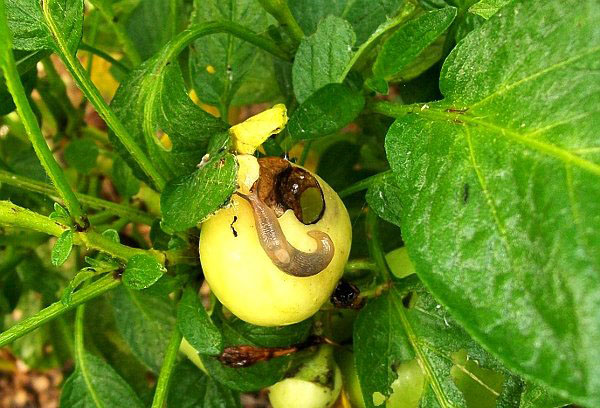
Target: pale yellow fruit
244, 278
305, 389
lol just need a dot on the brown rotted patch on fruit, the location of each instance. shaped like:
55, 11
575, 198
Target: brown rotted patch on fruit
280, 186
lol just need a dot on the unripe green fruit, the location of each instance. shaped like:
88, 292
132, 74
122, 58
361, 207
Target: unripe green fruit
316, 385
243, 276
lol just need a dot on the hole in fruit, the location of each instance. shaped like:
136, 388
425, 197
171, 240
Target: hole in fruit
283, 187
311, 203
479, 386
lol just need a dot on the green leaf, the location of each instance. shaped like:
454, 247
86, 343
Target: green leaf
487, 8
383, 197
152, 102
535, 396
366, 15
142, 29
26, 63
160, 239
262, 374
82, 154
96, 384
259, 84
60, 214
309, 13
112, 234
29, 29
238, 331
189, 199
142, 271
145, 322
247, 379
195, 389
196, 326
326, 111
322, 58
100, 327
82, 276
403, 47
405, 326
122, 176
102, 263
62, 248
500, 185
219, 63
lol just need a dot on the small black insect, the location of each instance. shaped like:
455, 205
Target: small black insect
465, 196
346, 296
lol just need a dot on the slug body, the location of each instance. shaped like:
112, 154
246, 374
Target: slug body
287, 258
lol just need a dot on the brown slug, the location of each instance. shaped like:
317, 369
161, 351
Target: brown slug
287, 258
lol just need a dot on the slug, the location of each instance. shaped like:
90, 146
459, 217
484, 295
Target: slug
287, 258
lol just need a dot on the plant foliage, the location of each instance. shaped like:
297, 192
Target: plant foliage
464, 132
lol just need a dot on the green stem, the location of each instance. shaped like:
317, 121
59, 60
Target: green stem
363, 184
57, 309
34, 132
78, 344
93, 95
101, 218
374, 245
185, 38
15, 216
172, 22
162, 386
282, 13
360, 265
122, 37
394, 110
93, 202
104, 56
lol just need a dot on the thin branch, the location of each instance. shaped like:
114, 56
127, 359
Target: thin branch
106, 11
282, 13
32, 128
363, 184
104, 56
93, 95
14, 216
57, 309
120, 210
375, 247
164, 378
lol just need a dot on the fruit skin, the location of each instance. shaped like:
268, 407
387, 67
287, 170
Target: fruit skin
302, 391
244, 278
